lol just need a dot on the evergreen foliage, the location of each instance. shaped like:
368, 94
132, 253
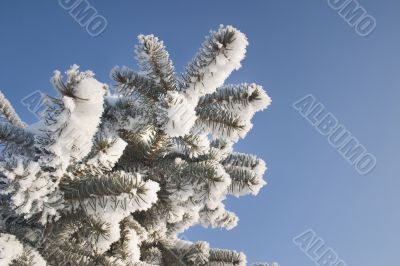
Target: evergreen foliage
115, 176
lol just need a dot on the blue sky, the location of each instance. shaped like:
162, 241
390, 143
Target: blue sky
296, 48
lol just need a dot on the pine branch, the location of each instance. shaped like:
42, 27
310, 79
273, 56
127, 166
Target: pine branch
218, 121
246, 172
154, 60
115, 178
218, 217
29, 257
242, 160
219, 257
26, 259
205, 171
9, 113
218, 56
221, 147
140, 139
194, 172
210, 49
158, 147
112, 184
129, 82
189, 253
145, 146
12, 134
191, 145
242, 178
151, 256
72, 121
131, 114
230, 95
122, 248
70, 240
69, 87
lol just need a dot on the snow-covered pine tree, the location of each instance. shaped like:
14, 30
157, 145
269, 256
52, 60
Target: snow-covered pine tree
114, 177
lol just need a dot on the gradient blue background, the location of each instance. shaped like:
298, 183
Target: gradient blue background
296, 48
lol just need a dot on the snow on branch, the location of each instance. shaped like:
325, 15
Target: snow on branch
154, 61
246, 172
129, 82
31, 191
226, 257
107, 151
114, 177
70, 132
245, 97
110, 198
218, 218
228, 111
219, 55
194, 253
13, 252
10, 249
9, 113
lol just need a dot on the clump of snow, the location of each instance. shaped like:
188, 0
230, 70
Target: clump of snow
182, 194
79, 121
30, 189
10, 249
133, 246
37, 259
264, 100
176, 213
178, 160
68, 103
181, 114
109, 156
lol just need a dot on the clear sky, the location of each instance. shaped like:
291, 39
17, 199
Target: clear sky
297, 47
